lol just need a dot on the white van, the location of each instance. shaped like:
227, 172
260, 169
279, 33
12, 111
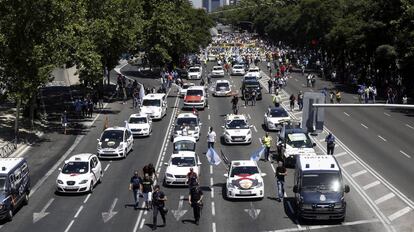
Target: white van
155, 105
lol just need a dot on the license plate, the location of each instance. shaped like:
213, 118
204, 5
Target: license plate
71, 187
322, 217
245, 192
238, 139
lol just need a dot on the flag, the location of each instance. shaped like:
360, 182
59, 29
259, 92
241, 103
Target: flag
257, 154
213, 157
127, 125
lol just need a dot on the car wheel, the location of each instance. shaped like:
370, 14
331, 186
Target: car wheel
9, 216
26, 199
100, 177
91, 187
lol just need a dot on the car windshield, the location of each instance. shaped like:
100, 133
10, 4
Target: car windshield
184, 145
194, 92
151, 102
194, 70
75, 167
322, 181
138, 120
222, 86
112, 135
238, 67
187, 121
237, 124
299, 140
183, 161
2, 184
250, 170
185, 86
278, 113
217, 68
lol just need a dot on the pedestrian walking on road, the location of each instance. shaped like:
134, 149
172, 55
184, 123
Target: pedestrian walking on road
147, 183
234, 102
195, 199
276, 99
254, 97
150, 170
281, 172
300, 100
192, 178
158, 206
338, 96
270, 83
267, 142
330, 143
211, 138
292, 100
64, 121
135, 185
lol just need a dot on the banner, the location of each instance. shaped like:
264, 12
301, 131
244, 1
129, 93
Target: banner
213, 157
257, 154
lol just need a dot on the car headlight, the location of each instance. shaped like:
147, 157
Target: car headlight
230, 185
227, 133
83, 182
145, 129
59, 182
120, 147
169, 175
249, 132
338, 205
99, 146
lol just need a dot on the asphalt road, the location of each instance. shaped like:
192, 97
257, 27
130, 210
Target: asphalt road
367, 209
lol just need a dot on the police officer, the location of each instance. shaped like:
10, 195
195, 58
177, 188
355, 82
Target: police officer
267, 142
158, 205
195, 200
330, 143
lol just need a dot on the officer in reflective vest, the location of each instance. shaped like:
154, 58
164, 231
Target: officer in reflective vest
267, 142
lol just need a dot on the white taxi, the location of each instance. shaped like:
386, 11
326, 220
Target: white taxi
222, 88
244, 180
80, 173
274, 117
140, 124
238, 69
292, 143
217, 71
182, 159
254, 71
187, 124
183, 89
237, 130
194, 73
115, 142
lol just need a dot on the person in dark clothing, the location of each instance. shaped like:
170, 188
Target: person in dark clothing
195, 199
147, 190
150, 170
192, 178
253, 96
234, 102
135, 185
330, 144
280, 180
158, 205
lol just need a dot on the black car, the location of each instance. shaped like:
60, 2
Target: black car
251, 85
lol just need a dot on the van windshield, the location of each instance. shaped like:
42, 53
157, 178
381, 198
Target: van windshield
322, 181
151, 102
2, 184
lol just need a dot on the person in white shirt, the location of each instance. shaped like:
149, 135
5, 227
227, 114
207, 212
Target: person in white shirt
211, 138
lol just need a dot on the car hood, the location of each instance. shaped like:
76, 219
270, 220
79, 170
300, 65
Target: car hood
322, 197
237, 132
73, 177
175, 170
112, 144
245, 181
150, 109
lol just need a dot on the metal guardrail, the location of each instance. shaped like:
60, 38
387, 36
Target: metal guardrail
7, 149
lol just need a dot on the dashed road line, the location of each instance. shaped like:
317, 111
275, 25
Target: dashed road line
248, 115
213, 227
399, 213
389, 115
69, 226
142, 224
349, 163
359, 173
371, 185
340, 154
347, 114
320, 227
379, 136
384, 198
211, 169
254, 127
364, 126
409, 126
209, 117
87, 198
78, 212
407, 155
211, 181
213, 209
212, 192
106, 168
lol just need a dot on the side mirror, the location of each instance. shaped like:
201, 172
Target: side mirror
60, 169
314, 144
295, 189
199, 163
263, 174
346, 188
226, 175
166, 164
222, 127
251, 126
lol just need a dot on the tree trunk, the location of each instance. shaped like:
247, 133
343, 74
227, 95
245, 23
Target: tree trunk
17, 119
32, 111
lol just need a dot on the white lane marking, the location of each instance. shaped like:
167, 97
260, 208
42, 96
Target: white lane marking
364, 126
69, 226
209, 117
409, 126
87, 198
211, 181
53, 169
273, 168
298, 112
212, 192
142, 223
106, 168
399, 213
321, 140
248, 115
208, 106
213, 209
359, 173
389, 115
384, 198
379, 136
340, 154
78, 212
407, 155
211, 169
347, 114
370, 185
213, 227
349, 163
254, 127
308, 228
